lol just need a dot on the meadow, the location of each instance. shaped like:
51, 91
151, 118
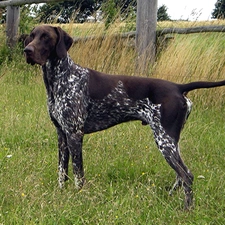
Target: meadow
127, 178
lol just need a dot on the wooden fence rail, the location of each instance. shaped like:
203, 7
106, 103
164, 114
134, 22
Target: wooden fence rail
191, 30
24, 2
160, 32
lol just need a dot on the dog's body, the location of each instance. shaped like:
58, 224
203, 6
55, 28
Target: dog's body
82, 101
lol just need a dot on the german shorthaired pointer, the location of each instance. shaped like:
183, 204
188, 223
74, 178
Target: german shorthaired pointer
82, 101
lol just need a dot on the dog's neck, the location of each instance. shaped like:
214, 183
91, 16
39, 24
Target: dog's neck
63, 69
56, 67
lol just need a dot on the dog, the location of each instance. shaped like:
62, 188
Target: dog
82, 101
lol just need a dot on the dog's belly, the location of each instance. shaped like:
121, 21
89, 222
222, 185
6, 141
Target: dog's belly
108, 112
102, 116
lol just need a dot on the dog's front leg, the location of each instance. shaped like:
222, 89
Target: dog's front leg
63, 157
74, 141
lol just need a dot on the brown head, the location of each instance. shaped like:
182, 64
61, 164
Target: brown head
46, 42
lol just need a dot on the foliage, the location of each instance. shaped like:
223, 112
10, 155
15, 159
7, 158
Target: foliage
5, 54
28, 18
162, 14
2, 15
110, 11
219, 11
124, 5
78, 9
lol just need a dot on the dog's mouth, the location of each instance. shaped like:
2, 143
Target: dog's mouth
35, 57
30, 60
30, 56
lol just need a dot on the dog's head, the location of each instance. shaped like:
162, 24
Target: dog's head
46, 42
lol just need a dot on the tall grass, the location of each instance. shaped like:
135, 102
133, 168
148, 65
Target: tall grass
127, 178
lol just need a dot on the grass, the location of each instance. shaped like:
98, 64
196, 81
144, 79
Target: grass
127, 177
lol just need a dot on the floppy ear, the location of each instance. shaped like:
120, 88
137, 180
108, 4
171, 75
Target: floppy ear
27, 39
64, 43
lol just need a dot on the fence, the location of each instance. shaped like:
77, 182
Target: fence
146, 24
13, 17
145, 34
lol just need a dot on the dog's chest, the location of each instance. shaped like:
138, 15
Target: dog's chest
67, 95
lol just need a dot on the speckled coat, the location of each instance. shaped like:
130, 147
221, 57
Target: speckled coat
75, 113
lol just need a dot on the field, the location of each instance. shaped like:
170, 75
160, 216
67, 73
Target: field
127, 179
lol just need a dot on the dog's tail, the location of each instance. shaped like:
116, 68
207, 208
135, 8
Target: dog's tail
185, 88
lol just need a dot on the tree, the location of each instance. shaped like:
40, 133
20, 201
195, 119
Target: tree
2, 15
123, 5
64, 11
162, 14
114, 8
81, 9
110, 11
219, 11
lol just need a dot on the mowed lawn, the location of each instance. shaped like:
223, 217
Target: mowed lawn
127, 178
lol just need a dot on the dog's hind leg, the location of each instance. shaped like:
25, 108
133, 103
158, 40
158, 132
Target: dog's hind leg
178, 183
184, 176
170, 152
166, 137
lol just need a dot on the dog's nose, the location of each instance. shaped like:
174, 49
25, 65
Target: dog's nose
29, 49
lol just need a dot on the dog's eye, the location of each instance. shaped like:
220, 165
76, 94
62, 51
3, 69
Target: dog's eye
44, 37
28, 39
31, 36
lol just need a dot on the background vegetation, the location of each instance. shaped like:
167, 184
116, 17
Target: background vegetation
219, 10
81, 10
127, 177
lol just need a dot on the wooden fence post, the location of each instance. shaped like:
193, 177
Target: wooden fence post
12, 24
146, 33
13, 17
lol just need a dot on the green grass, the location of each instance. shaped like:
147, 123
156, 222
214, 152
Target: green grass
127, 179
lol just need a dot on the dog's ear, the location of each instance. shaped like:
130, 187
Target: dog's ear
64, 43
27, 40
